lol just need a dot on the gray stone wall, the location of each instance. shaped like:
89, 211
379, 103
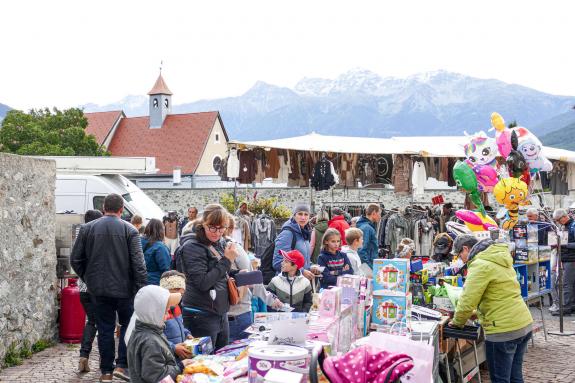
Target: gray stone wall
179, 200
28, 284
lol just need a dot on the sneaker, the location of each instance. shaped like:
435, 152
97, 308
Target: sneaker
106, 378
122, 373
554, 307
83, 365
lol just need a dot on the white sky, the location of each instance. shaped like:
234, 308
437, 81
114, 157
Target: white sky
66, 53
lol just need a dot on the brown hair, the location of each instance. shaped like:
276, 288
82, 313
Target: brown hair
136, 220
372, 208
331, 232
353, 234
154, 231
213, 215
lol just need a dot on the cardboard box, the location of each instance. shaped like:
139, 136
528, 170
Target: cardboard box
391, 276
330, 303
391, 311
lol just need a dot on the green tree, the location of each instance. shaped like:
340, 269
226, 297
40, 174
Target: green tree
49, 133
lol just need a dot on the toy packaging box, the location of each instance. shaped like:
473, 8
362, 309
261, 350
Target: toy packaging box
330, 303
389, 310
391, 276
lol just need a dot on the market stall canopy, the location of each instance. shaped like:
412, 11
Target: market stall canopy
426, 146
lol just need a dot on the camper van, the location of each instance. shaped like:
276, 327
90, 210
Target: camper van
77, 193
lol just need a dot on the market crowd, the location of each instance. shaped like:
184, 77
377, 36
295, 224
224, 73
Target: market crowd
168, 281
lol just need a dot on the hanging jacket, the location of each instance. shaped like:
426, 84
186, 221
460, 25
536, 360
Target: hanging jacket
368, 251
284, 241
322, 178
158, 260
334, 266
339, 223
491, 287
296, 291
319, 230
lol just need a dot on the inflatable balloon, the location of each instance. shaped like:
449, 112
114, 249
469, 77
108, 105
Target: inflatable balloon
475, 221
487, 177
481, 153
502, 134
481, 150
466, 179
510, 192
531, 149
516, 164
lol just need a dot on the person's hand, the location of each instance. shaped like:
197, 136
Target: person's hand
346, 268
451, 324
182, 351
231, 253
190, 336
308, 274
315, 269
277, 304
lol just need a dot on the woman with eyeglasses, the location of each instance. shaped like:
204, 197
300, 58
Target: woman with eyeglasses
206, 262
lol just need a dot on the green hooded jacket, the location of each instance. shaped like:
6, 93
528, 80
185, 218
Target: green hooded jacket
492, 287
319, 229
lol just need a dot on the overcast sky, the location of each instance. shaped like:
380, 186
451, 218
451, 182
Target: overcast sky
67, 53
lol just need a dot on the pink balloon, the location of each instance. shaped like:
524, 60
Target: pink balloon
487, 177
503, 140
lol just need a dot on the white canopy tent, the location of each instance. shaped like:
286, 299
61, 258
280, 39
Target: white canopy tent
432, 146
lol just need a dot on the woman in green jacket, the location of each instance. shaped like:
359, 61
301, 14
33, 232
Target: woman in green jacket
492, 288
319, 229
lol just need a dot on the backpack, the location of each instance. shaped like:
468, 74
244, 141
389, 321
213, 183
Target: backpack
266, 266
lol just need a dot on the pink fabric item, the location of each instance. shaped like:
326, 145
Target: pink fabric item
367, 364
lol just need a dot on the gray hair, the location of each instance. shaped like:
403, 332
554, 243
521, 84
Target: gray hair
560, 213
532, 210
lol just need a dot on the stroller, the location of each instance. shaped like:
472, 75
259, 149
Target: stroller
364, 364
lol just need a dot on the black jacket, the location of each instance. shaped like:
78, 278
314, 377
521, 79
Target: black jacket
568, 250
108, 256
204, 272
149, 355
322, 178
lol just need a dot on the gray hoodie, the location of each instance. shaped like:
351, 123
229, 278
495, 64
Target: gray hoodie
149, 355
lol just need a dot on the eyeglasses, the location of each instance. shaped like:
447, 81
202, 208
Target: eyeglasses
215, 229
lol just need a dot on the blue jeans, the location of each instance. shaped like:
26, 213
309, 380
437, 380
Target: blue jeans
238, 324
505, 359
106, 309
90, 328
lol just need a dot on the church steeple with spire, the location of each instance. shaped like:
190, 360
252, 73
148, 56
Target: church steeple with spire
160, 102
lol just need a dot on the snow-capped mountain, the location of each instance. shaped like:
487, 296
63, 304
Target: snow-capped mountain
360, 102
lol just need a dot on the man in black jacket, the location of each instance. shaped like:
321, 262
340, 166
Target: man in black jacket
108, 256
561, 216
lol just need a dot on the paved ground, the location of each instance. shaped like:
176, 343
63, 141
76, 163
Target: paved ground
550, 361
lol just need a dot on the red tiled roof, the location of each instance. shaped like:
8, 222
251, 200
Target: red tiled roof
100, 123
160, 87
179, 142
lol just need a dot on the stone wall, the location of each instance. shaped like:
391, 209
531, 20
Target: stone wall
179, 200
28, 284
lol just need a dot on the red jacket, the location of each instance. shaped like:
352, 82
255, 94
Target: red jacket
338, 222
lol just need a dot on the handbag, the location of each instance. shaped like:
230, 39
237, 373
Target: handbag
233, 293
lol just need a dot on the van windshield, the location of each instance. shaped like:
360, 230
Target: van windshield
144, 204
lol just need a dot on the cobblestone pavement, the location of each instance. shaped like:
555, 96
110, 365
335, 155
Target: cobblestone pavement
550, 361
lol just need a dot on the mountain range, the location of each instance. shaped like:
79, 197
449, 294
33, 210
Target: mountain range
362, 102
3, 110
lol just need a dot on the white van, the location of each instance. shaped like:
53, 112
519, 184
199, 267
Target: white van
78, 193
